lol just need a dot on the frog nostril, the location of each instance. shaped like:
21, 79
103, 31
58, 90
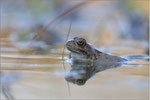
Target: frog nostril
70, 43
67, 43
75, 38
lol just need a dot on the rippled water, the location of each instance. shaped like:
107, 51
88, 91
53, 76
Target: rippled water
35, 76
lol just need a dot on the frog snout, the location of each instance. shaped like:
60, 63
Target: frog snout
69, 43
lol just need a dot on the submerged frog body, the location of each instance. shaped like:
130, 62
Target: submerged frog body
81, 50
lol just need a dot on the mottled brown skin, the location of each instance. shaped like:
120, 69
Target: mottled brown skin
87, 61
81, 50
79, 46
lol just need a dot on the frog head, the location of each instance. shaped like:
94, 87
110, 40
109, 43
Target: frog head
79, 48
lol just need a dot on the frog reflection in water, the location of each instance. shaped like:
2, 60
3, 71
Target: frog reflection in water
81, 71
87, 61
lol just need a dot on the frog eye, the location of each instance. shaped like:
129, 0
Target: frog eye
81, 43
80, 81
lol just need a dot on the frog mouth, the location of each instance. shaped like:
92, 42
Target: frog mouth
72, 50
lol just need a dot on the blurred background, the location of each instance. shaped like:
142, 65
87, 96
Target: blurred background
33, 34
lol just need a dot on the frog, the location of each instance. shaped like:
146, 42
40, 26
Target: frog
81, 50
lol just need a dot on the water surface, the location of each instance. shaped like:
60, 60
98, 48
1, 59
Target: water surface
42, 76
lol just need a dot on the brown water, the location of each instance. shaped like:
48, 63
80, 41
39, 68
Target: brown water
35, 76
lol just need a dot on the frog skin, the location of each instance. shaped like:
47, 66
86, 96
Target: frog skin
80, 50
